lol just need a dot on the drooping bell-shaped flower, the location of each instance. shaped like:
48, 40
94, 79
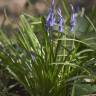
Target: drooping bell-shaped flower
50, 20
60, 20
75, 10
73, 19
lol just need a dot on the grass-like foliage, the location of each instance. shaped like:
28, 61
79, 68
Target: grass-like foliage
48, 63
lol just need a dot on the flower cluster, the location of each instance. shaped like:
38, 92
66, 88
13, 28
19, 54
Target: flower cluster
75, 10
73, 19
51, 19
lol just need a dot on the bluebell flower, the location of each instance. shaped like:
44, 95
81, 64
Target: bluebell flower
50, 20
75, 10
60, 20
73, 19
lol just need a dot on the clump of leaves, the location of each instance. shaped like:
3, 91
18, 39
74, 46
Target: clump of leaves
48, 67
49, 62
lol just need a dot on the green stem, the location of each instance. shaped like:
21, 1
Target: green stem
73, 88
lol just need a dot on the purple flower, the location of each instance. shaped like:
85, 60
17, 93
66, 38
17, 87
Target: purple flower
60, 20
50, 20
75, 10
73, 19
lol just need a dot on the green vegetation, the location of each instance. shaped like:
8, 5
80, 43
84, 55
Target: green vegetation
52, 63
